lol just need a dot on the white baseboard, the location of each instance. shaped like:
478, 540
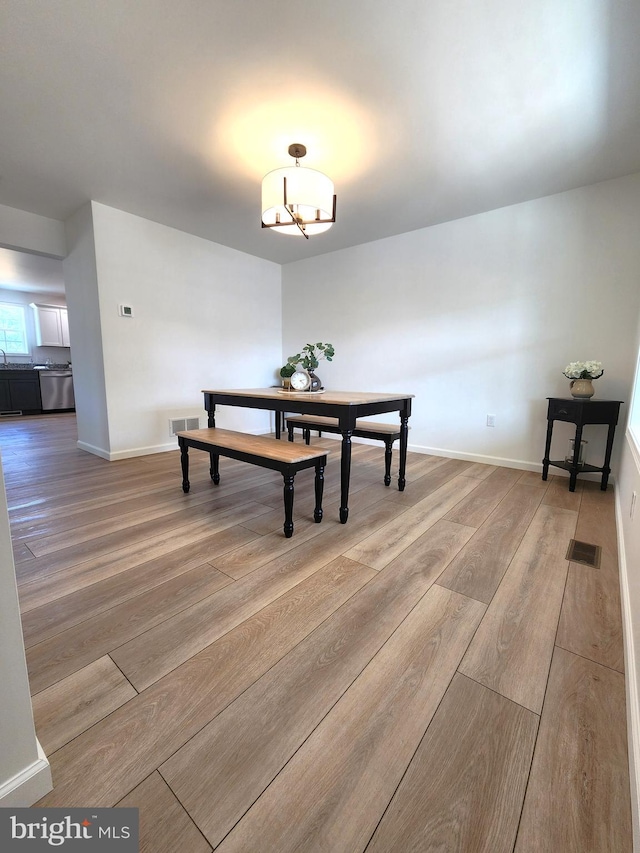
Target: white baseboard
28, 786
90, 448
126, 454
631, 682
500, 461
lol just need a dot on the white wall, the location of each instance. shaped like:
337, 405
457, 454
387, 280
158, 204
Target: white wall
628, 524
24, 771
85, 333
479, 316
205, 316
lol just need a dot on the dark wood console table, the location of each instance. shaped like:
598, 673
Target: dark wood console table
581, 412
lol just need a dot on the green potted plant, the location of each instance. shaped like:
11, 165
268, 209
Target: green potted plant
286, 372
310, 357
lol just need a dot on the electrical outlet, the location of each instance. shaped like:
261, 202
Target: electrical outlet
491, 420
632, 509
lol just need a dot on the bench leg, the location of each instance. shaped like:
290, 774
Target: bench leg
184, 462
290, 428
214, 468
319, 484
307, 436
288, 505
388, 453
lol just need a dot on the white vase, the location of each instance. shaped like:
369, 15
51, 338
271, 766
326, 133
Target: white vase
582, 389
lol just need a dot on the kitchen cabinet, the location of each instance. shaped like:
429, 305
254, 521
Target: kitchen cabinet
20, 392
52, 325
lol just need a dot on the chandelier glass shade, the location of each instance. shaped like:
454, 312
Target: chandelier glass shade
297, 200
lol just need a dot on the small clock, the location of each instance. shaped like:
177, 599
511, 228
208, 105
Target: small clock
300, 381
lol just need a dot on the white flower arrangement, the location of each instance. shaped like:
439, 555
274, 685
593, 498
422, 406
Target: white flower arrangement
583, 370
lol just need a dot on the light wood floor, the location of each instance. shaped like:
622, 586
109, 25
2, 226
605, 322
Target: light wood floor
432, 676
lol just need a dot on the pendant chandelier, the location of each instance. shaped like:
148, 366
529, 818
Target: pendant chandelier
297, 200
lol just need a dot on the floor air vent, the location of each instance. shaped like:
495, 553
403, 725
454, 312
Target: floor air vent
583, 552
180, 424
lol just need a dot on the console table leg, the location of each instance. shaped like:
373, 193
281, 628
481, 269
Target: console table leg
547, 450
288, 505
211, 420
573, 474
606, 470
184, 462
319, 486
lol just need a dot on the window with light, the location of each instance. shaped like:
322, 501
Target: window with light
13, 330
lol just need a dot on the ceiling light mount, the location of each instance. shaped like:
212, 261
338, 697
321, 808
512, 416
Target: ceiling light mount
297, 151
297, 200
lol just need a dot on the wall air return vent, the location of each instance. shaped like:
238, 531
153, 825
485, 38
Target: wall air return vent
181, 424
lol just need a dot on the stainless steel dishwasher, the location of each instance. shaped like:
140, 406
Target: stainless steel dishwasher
56, 389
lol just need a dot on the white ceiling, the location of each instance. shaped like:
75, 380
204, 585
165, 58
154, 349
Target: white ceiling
421, 111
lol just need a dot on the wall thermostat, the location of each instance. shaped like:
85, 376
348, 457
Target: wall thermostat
125, 310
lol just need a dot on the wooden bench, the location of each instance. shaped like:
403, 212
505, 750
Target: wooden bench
364, 429
257, 450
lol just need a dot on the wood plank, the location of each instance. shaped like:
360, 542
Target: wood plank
480, 566
82, 548
221, 771
511, 651
478, 506
437, 475
533, 478
597, 524
165, 827
578, 796
40, 587
384, 544
107, 761
152, 655
590, 619
69, 707
331, 794
73, 528
480, 470
43, 622
466, 783
558, 494
260, 551
74, 648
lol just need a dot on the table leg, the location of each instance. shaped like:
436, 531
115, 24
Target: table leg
404, 435
345, 474
184, 462
211, 421
547, 450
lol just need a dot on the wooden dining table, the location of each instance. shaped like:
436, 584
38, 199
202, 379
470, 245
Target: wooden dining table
346, 406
